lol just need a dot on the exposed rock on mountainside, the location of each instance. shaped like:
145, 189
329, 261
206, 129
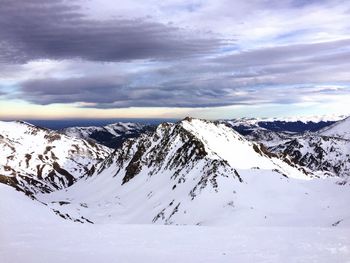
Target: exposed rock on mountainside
36, 160
318, 153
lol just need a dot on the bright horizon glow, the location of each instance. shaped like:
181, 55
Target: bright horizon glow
61, 112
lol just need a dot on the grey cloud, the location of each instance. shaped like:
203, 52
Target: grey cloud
293, 64
285, 74
37, 29
286, 54
46, 29
285, 65
112, 92
91, 90
116, 93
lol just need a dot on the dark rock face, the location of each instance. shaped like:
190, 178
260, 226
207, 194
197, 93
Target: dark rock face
69, 177
135, 164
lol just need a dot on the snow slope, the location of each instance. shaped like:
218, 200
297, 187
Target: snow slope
340, 129
32, 234
263, 199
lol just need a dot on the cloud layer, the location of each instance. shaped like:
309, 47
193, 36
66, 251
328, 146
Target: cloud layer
49, 29
176, 53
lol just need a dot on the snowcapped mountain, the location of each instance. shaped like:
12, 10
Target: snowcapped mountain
112, 135
183, 173
190, 172
36, 160
340, 129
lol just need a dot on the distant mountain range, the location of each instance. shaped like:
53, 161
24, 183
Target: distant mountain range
112, 135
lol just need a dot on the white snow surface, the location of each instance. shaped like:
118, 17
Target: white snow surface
32, 234
340, 129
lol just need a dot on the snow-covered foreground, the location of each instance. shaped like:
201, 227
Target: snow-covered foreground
155, 243
30, 232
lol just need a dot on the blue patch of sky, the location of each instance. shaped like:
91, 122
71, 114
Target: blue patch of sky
9, 88
291, 36
229, 49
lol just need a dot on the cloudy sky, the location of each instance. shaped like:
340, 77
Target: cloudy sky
173, 58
